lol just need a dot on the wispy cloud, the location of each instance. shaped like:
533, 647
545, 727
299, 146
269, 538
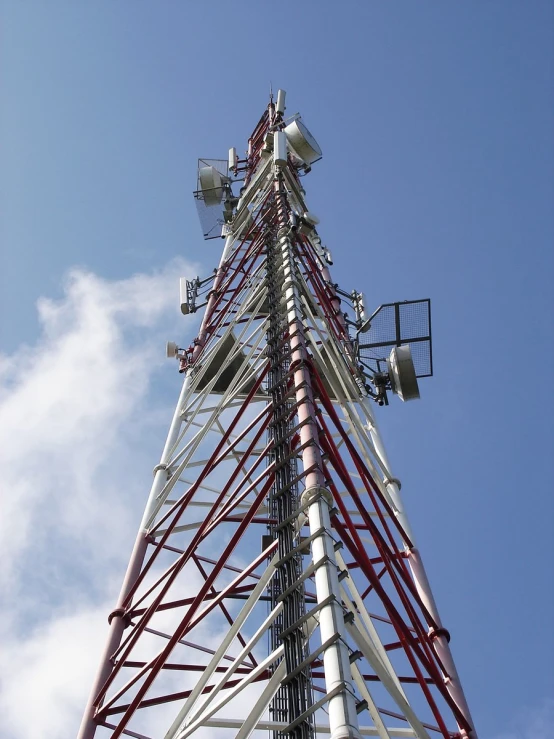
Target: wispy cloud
79, 435
50, 671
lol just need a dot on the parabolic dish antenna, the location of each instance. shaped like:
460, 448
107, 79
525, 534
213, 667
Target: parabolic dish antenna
303, 143
210, 184
171, 349
402, 373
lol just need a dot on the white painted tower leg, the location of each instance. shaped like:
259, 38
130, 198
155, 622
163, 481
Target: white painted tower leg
423, 587
343, 718
116, 619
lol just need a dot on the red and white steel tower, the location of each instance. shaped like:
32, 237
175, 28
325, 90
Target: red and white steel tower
275, 584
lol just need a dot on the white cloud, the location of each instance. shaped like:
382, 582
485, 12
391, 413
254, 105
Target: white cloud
79, 435
47, 674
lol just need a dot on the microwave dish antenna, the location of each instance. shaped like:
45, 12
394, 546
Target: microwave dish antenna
402, 373
214, 196
302, 142
211, 183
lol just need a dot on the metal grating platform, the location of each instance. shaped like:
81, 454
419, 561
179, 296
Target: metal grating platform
396, 324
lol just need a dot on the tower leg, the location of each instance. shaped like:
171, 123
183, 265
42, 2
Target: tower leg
423, 587
343, 719
117, 617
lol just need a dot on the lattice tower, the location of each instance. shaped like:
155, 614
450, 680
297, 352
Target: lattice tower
275, 584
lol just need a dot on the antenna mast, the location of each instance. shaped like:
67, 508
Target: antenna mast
275, 583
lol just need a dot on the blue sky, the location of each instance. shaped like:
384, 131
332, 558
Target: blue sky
437, 180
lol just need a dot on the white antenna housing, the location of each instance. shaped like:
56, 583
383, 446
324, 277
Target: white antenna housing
402, 373
302, 141
280, 148
280, 106
171, 349
232, 157
211, 185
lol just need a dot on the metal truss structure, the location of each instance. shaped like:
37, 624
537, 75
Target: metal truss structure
275, 584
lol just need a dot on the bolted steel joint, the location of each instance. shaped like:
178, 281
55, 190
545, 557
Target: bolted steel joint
119, 613
392, 481
159, 467
310, 495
